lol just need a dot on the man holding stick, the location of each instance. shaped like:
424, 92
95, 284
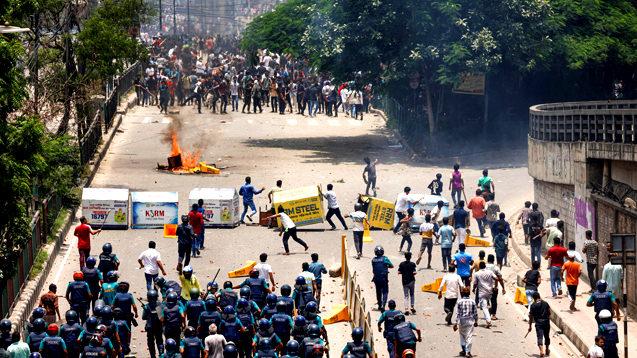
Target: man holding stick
83, 233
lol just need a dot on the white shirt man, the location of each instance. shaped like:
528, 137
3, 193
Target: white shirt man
484, 281
214, 343
332, 203
150, 260
286, 221
454, 284
358, 217
265, 270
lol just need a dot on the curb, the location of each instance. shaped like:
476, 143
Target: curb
29, 293
575, 339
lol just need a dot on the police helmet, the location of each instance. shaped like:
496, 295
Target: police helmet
190, 331
254, 273
313, 331
605, 314
311, 307
35, 355
107, 313
300, 281
213, 286
111, 276
230, 350
358, 207
172, 297
245, 292
379, 251
52, 329
107, 248
98, 308
71, 316
292, 348
227, 284
270, 299
187, 270
160, 281
357, 334
90, 262
300, 321
38, 312
78, 276
171, 345
281, 307
210, 304
229, 310
602, 286
39, 325
286, 290
152, 295
194, 293
91, 324
264, 324
242, 303
184, 219
5, 325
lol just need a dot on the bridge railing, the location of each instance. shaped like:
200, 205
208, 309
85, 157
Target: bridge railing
598, 121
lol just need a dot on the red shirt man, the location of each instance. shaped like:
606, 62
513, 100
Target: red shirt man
83, 233
477, 205
557, 254
196, 219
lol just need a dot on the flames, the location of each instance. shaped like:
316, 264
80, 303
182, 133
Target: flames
189, 159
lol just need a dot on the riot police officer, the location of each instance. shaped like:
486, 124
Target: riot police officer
602, 300
53, 346
153, 327
209, 316
299, 330
358, 347
95, 348
312, 317
172, 317
227, 297
244, 314
93, 277
270, 306
282, 323
302, 294
313, 345
265, 331
192, 346
70, 332
608, 330
231, 326
380, 269
230, 350
291, 349
108, 260
172, 349
258, 288
286, 291
79, 295
39, 332
265, 349
246, 293
390, 318
194, 307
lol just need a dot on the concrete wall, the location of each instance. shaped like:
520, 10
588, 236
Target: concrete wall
560, 197
553, 161
625, 172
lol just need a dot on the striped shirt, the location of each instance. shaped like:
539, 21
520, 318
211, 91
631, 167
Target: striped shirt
467, 311
591, 248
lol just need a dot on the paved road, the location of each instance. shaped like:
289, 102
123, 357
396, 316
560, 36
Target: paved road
301, 151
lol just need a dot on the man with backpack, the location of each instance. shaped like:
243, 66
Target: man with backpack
405, 337
390, 318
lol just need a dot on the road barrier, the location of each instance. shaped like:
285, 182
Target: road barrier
358, 314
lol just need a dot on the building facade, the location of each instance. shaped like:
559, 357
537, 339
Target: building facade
583, 159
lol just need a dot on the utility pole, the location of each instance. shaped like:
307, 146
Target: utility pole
161, 28
188, 17
174, 18
36, 64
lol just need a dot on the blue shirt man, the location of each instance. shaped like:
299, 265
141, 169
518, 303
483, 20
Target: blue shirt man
463, 262
248, 192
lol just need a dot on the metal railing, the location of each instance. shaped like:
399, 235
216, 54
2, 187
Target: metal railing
42, 225
409, 119
358, 314
599, 121
90, 141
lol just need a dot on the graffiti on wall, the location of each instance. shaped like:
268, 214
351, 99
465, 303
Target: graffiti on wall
584, 219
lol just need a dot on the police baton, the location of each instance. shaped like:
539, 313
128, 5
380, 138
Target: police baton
104, 221
214, 278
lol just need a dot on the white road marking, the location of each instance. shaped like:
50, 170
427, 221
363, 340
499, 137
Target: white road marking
334, 122
58, 273
292, 121
312, 122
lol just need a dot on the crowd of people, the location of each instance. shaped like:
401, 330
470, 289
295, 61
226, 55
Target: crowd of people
195, 71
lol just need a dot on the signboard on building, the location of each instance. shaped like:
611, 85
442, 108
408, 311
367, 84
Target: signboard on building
471, 83
106, 205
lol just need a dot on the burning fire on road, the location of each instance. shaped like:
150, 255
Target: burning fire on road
181, 161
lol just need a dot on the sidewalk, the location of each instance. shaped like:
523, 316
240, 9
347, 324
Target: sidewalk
579, 326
